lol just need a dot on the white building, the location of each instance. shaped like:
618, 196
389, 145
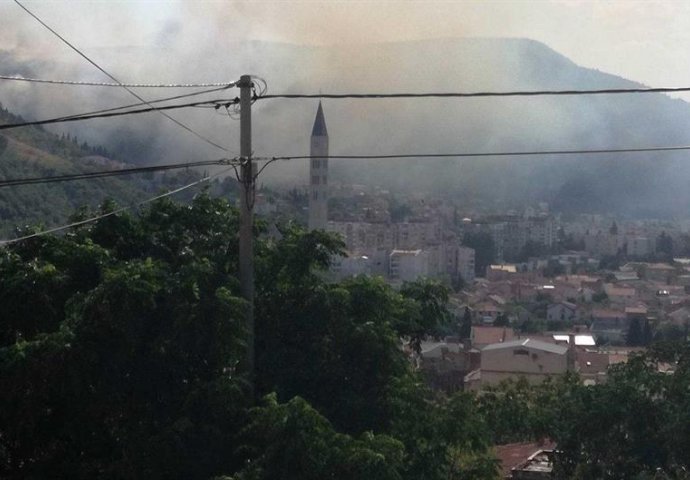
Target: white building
408, 265
318, 173
640, 246
351, 265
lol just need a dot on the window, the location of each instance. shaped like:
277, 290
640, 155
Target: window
315, 195
325, 182
315, 180
520, 351
315, 163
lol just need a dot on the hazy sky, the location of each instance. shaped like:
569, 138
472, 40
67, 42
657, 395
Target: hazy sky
647, 41
196, 41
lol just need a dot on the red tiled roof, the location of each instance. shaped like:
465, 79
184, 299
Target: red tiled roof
487, 335
592, 362
513, 454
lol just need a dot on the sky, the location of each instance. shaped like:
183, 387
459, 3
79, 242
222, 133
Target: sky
646, 41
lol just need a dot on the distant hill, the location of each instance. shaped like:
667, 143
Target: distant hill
34, 152
638, 185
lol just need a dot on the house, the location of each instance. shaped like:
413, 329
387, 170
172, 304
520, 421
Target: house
533, 359
562, 311
618, 294
500, 272
659, 272
611, 325
482, 336
488, 312
445, 364
592, 366
526, 460
680, 316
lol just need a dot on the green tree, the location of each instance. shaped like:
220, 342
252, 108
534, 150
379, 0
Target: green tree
501, 320
466, 325
123, 347
635, 336
127, 363
664, 245
293, 441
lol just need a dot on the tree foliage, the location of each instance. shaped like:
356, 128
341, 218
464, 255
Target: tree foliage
122, 347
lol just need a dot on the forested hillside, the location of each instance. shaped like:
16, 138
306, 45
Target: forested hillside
34, 152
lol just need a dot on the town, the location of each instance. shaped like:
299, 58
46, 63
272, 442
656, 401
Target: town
401, 240
534, 295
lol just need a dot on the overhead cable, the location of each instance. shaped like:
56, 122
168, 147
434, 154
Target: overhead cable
79, 83
482, 154
517, 93
109, 113
114, 212
129, 90
112, 173
159, 100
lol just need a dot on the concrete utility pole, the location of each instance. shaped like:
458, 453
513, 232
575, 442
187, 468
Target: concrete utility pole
246, 258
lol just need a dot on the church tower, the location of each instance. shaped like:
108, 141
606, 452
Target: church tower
318, 173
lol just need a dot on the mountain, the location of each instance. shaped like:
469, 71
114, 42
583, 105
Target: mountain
646, 184
34, 152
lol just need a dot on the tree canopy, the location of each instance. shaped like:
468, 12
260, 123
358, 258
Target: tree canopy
122, 347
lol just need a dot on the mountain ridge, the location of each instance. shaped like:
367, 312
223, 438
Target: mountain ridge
635, 184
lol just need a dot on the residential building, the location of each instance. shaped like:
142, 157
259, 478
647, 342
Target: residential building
482, 335
611, 325
350, 265
640, 246
526, 461
445, 364
534, 360
408, 265
562, 311
466, 260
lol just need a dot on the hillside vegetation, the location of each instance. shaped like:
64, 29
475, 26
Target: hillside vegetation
34, 152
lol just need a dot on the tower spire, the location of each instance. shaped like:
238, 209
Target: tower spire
318, 173
319, 129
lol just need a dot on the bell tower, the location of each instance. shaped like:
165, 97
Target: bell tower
318, 173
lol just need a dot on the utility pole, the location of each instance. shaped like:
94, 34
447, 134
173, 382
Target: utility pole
246, 254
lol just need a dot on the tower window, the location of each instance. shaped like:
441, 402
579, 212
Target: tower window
315, 163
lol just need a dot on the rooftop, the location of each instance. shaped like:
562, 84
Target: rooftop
488, 335
529, 343
515, 454
580, 340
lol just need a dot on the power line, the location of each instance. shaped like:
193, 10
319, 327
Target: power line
269, 160
482, 154
79, 83
109, 113
111, 173
130, 91
139, 104
518, 93
114, 212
